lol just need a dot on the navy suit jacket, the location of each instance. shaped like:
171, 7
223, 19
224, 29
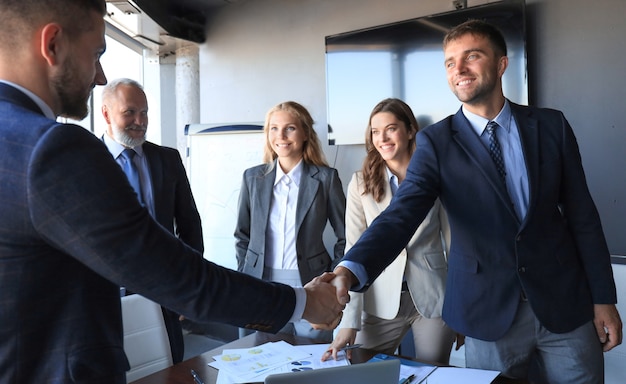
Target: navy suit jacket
320, 200
557, 254
72, 232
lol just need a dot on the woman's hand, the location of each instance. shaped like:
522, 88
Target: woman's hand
345, 336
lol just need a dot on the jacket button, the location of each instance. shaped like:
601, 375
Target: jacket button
518, 238
521, 269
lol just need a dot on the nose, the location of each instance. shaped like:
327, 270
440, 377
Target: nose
141, 120
459, 66
100, 78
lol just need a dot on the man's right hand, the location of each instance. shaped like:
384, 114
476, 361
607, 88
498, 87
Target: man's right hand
343, 280
322, 310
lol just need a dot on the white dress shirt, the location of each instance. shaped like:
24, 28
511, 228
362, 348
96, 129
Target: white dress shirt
281, 233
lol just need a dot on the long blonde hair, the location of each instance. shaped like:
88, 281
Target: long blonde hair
312, 150
374, 175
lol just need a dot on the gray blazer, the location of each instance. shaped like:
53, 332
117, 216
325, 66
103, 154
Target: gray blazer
320, 199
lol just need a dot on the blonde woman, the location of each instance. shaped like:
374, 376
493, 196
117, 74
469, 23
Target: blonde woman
284, 206
409, 293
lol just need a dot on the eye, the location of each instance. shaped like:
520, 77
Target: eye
449, 65
273, 128
291, 128
472, 57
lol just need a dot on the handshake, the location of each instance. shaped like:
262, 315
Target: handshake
326, 297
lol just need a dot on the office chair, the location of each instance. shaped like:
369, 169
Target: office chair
145, 337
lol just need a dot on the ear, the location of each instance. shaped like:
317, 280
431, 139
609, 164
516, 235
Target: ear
51, 43
105, 113
503, 63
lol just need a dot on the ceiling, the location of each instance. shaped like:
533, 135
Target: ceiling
182, 19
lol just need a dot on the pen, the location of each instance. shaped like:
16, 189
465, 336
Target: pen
351, 346
407, 380
196, 378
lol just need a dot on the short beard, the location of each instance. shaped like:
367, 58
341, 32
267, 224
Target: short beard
72, 97
126, 140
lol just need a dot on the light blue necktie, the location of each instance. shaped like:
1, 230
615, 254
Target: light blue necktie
130, 169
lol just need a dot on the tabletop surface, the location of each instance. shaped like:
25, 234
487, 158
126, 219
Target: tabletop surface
181, 373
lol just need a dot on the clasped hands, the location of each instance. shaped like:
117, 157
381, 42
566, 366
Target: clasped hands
326, 297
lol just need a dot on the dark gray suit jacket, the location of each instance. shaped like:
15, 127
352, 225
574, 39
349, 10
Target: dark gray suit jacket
175, 209
71, 233
320, 200
557, 254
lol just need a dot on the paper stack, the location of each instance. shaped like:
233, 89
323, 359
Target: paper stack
251, 365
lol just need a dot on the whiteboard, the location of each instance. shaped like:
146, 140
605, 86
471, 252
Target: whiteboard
217, 157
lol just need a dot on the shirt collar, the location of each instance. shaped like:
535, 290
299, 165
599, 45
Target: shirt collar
116, 148
47, 111
295, 174
479, 123
391, 177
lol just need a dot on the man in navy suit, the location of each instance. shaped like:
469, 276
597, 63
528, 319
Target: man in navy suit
72, 230
163, 181
529, 279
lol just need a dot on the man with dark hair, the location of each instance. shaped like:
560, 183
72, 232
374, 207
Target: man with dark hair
529, 274
72, 230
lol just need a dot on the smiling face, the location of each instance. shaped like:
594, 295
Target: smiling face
126, 114
286, 137
474, 71
390, 137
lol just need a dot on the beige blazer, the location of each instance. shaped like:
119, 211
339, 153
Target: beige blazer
423, 261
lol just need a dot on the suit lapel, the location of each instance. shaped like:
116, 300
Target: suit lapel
264, 183
155, 167
467, 139
307, 192
384, 203
528, 128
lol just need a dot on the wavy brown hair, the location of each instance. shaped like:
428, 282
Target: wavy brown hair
312, 149
374, 174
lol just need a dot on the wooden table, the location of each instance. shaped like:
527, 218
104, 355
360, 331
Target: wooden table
181, 372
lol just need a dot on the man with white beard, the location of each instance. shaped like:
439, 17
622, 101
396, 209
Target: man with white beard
159, 177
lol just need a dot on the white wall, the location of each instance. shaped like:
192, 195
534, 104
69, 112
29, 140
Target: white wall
259, 53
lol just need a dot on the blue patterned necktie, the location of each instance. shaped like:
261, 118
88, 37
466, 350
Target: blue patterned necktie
494, 148
130, 169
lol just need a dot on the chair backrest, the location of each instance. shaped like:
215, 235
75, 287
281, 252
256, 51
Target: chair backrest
145, 337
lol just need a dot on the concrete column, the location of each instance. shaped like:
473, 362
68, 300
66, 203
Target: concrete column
187, 93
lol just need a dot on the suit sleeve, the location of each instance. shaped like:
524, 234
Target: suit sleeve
391, 231
584, 222
81, 203
242, 228
336, 215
